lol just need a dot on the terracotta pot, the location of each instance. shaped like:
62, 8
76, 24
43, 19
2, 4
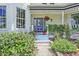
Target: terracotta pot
46, 18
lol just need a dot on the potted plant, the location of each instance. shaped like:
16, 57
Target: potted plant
46, 18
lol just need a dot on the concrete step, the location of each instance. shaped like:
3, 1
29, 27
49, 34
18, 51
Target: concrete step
42, 41
41, 37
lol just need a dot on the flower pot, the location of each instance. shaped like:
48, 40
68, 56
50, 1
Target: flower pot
46, 18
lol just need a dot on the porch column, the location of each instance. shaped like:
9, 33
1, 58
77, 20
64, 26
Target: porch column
47, 29
62, 17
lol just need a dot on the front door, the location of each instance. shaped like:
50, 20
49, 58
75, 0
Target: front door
39, 25
40, 28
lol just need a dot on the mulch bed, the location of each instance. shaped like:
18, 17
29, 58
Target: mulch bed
64, 54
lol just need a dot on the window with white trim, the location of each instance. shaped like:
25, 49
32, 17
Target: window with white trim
20, 21
2, 16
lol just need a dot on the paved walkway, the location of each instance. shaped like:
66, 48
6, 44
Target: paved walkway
43, 49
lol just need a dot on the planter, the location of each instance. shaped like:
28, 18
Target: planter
64, 54
77, 52
67, 54
46, 18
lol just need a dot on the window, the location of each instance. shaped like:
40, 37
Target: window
2, 16
75, 24
75, 21
20, 22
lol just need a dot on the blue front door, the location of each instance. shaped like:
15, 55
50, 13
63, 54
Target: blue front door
39, 25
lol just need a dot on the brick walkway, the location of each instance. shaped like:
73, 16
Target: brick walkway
43, 49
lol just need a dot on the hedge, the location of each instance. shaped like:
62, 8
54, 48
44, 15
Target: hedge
16, 44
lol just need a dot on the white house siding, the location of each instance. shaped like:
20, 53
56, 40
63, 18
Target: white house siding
11, 17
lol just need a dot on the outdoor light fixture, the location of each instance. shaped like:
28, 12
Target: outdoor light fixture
51, 20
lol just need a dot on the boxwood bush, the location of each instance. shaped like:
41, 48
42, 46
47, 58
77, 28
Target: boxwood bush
63, 45
16, 44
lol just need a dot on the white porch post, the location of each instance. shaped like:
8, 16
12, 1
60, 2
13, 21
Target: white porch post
47, 29
62, 17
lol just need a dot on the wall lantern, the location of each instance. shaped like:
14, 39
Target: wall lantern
51, 20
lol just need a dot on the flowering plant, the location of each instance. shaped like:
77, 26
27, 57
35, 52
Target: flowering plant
46, 18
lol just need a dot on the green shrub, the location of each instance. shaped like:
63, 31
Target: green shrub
59, 29
16, 44
63, 45
77, 43
32, 33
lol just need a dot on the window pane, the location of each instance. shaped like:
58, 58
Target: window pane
4, 11
2, 23
18, 23
0, 11
23, 23
23, 13
20, 13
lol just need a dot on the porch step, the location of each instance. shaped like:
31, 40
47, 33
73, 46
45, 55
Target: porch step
42, 37
42, 42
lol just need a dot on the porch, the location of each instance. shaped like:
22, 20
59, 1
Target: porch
56, 13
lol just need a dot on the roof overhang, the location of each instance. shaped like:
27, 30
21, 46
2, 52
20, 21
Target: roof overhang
54, 8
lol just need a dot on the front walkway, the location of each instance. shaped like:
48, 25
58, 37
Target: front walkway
43, 49
43, 45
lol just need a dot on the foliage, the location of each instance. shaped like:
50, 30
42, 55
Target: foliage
52, 28
67, 31
77, 43
32, 33
16, 44
59, 29
63, 45
75, 16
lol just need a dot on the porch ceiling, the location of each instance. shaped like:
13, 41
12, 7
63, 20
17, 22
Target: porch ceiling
52, 6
